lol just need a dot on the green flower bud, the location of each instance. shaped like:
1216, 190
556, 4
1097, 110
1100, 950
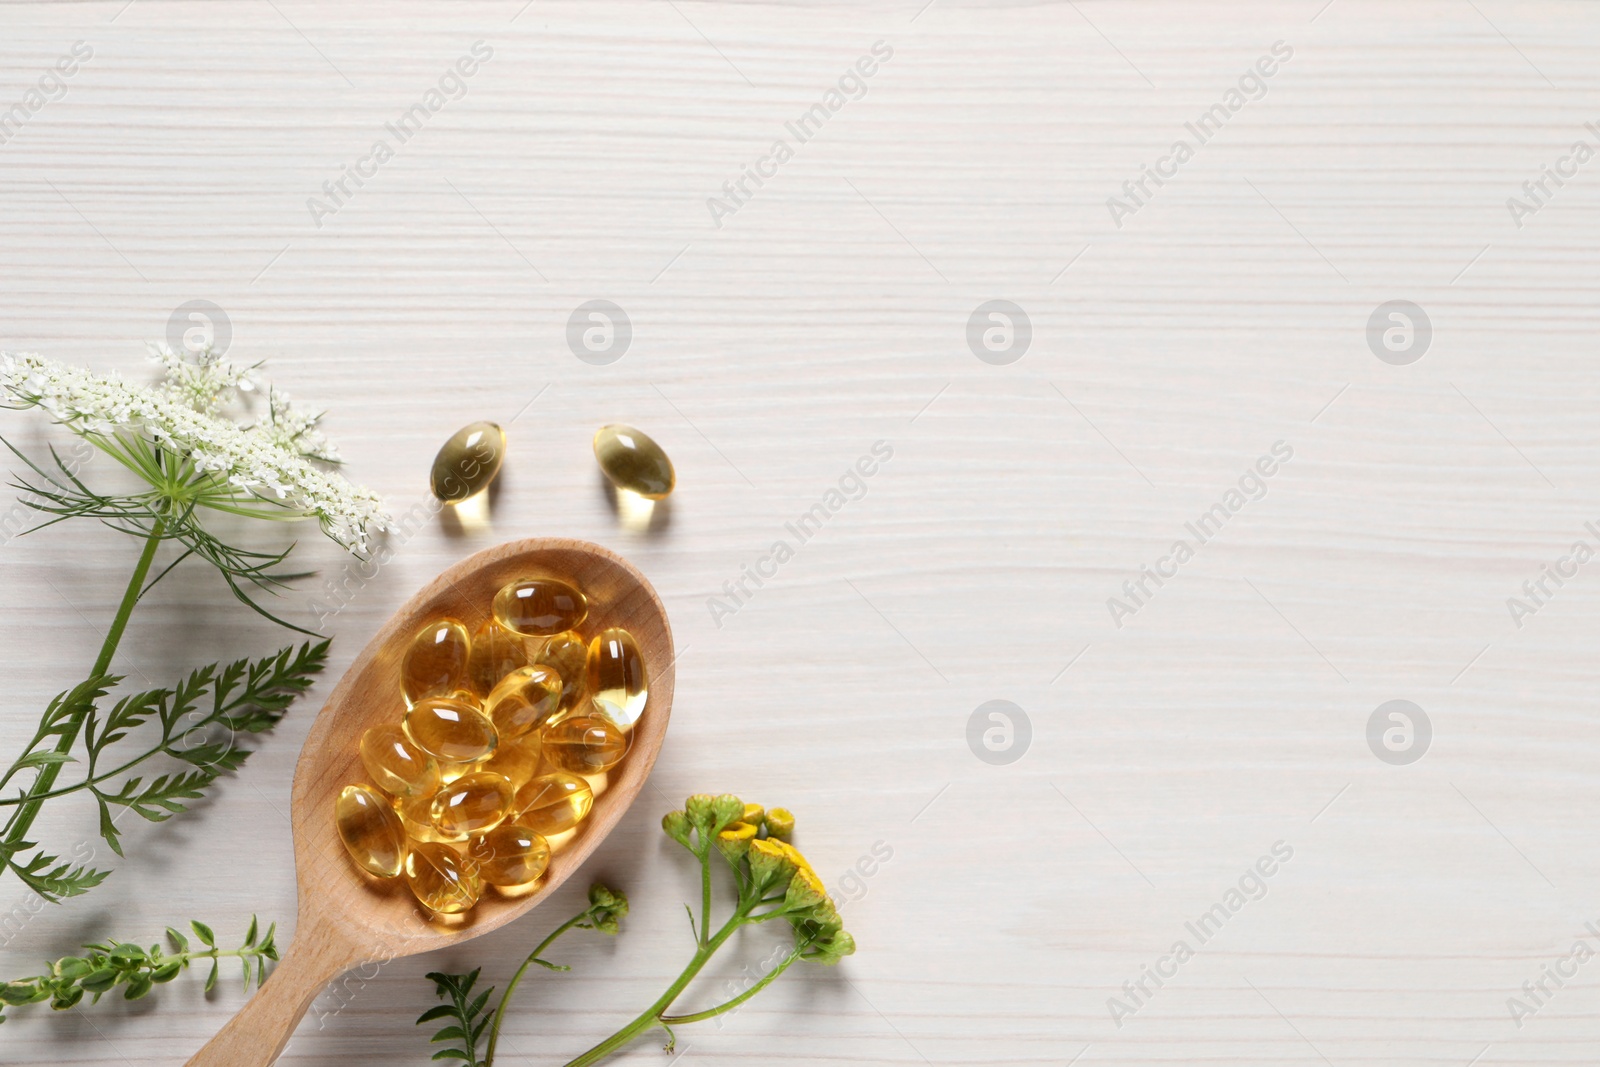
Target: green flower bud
769, 865
698, 809
805, 890
604, 896
677, 826
780, 824
726, 809
712, 814
834, 948
734, 842
608, 905
823, 939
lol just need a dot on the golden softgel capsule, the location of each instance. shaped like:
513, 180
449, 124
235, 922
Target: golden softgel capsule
496, 652
587, 744
511, 855
633, 462
468, 462
451, 730
553, 803
567, 655
472, 804
442, 880
539, 607
416, 815
437, 661
616, 675
518, 760
525, 699
370, 830
398, 766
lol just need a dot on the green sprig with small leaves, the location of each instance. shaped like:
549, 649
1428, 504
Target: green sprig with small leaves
199, 726
467, 1015
109, 965
774, 882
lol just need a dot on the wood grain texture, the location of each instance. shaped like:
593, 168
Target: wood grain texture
768, 355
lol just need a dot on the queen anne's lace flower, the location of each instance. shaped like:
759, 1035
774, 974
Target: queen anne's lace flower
187, 413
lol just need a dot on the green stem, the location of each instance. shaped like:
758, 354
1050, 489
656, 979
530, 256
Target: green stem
511, 986
130, 597
21, 821
705, 890
155, 963
94, 779
652, 1016
711, 1013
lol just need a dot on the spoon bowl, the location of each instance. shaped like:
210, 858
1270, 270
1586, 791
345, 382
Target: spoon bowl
346, 917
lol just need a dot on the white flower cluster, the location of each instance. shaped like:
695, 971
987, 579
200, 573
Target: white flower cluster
272, 460
209, 384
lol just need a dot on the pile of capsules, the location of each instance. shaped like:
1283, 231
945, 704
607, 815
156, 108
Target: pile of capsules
489, 762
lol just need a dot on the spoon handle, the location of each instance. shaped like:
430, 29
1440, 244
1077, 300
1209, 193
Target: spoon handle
257, 1034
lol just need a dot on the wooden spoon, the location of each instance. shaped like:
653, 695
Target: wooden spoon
345, 917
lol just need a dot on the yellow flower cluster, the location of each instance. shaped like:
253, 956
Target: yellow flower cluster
755, 841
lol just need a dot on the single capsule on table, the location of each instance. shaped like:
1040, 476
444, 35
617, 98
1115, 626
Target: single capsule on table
511, 854
586, 744
416, 815
525, 699
451, 730
436, 662
441, 879
538, 607
370, 830
398, 766
468, 462
553, 803
472, 804
616, 677
567, 655
633, 462
518, 760
496, 652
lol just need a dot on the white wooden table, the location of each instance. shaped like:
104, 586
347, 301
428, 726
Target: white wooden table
829, 310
